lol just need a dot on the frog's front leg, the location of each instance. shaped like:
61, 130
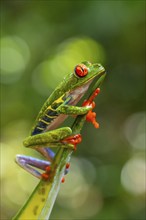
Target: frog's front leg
73, 110
61, 137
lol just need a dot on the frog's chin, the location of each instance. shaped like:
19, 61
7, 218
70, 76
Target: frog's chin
77, 94
82, 89
86, 86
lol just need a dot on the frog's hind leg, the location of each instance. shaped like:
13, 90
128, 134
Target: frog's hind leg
27, 163
49, 154
46, 152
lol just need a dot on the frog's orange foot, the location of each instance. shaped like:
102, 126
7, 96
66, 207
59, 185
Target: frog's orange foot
63, 179
74, 140
45, 175
67, 167
91, 117
90, 101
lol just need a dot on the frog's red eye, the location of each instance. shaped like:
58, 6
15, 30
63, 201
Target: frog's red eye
81, 70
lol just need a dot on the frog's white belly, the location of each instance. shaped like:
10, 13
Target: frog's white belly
76, 95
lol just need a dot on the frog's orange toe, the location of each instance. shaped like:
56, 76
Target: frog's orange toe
96, 124
91, 117
45, 176
90, 101
63, 180
48, 169
67, 166
74, 140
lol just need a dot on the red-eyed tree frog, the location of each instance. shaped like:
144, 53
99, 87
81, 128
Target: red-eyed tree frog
45, 133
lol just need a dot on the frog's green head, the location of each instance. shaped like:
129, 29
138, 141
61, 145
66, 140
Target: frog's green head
83, 75
76, 83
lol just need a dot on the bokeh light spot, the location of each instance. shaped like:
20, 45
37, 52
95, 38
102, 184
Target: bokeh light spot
133, 176
75, 182
15, 55
134, 130
11, 60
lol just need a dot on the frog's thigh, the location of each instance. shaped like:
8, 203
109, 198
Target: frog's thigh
44, 139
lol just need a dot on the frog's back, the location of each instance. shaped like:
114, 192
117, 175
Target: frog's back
48, 112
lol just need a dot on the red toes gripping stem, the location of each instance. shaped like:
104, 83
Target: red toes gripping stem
67, 166
45, 176
91, 116
63, 179
74, 139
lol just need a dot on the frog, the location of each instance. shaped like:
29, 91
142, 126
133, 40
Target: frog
46, 132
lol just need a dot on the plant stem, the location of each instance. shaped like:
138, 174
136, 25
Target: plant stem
41, 201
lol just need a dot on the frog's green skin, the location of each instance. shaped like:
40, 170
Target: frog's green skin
61, 103
64, 99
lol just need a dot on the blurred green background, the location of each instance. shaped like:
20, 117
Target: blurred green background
41, 41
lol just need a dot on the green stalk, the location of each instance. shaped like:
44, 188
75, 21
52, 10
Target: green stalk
42, 199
